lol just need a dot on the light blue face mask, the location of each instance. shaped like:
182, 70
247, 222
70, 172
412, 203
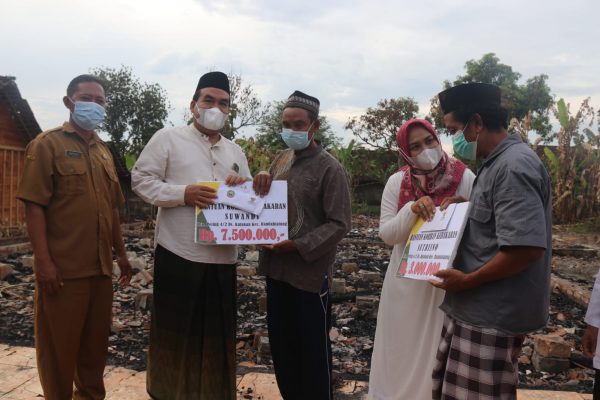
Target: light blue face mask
88, 115
463, 148
297, 140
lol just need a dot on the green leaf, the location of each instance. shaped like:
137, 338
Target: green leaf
551, 157
130, 160
563, 114
553, 162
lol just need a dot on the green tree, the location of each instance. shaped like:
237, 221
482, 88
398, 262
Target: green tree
268, 132
377, 127
346, 157
135, 110
259, 158
575, 167
245, 110
532, 100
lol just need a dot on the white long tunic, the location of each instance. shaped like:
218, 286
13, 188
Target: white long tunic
592, 316
409, 322
172, 159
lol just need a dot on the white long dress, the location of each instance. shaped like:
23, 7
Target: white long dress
409, 322
592, 316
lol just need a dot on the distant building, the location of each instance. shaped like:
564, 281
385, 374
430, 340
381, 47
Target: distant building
18, 127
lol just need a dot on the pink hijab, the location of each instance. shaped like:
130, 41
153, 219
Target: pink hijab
439, 183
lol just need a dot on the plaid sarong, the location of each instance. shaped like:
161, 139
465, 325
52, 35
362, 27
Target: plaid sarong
475, 363
192, 332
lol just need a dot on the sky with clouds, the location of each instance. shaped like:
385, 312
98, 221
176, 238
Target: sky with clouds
347, 53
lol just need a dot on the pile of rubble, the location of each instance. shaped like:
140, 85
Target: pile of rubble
551, 357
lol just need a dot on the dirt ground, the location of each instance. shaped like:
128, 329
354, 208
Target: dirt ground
361, 263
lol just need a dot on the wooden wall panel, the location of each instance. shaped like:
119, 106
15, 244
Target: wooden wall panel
8, 131
12, 212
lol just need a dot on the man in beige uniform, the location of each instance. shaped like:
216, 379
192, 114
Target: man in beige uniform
72, 194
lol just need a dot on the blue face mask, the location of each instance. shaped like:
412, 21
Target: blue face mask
463, 148
297, 140
88, 115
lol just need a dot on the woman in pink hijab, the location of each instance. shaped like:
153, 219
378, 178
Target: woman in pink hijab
409, 321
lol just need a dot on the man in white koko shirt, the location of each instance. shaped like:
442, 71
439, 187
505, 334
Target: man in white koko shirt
192, 335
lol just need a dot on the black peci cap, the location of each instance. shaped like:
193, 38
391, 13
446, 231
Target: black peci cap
469, 96
214, 79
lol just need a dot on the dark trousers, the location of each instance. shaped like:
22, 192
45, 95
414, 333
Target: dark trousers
597, 385
299, 324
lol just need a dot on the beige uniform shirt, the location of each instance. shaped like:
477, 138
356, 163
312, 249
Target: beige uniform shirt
172, 159
77, 185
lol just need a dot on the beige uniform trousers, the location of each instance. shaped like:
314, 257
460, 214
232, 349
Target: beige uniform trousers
71, 338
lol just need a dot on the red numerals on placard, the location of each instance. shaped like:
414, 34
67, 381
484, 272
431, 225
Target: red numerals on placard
248, 234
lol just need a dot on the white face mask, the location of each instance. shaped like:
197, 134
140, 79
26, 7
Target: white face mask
211, 118
428, 159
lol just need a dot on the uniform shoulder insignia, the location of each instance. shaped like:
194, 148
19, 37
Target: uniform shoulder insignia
49, 132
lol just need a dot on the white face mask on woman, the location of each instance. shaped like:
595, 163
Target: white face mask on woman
428, 159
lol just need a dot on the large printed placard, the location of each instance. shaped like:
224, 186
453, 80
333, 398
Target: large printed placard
239, 216
432, 245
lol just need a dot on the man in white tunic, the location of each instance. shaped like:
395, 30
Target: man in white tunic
192, 335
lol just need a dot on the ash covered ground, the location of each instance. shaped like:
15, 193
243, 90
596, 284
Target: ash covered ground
361, 264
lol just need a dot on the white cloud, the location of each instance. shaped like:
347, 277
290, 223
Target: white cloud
350, 54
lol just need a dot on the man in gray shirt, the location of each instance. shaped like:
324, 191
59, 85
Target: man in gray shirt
499, 288
298, 270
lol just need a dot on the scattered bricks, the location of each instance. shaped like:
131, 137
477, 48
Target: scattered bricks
579, 294
252, 256
264, 347
27, 261
367, 306
146, 242
370, 276
15, 248
262, 304
551, 346
246, 270
116, 270
257, 335
5, 271
551, 353
143, 277
365, 301
523, 359
550, 364
349, 268
117, 326
338, 285
577, 251
377, 285
334, 334
148, 278
138, 263
143, 299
